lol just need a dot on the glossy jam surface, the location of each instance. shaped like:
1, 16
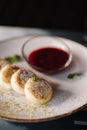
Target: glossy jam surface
48, 59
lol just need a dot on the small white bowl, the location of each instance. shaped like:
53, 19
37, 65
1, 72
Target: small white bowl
39, 42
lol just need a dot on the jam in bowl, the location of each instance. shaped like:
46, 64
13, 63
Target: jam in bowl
46, 54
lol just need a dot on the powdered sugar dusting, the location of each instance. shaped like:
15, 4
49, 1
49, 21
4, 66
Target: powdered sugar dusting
24, 76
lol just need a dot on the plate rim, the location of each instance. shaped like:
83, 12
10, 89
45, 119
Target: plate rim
42, 119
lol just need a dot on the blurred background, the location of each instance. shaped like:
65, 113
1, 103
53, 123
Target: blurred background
49, 14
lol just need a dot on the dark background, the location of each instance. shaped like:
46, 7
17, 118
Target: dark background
49, 14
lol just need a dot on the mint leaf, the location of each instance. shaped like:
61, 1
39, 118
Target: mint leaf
72, 75
13, 59
34, 77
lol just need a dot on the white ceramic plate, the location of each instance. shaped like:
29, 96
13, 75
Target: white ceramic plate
69, 96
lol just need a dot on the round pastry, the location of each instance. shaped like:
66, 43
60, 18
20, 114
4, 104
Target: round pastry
5, 76
19, 79
3, 63
38, 91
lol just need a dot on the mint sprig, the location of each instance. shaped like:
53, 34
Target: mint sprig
72, 75
13, 59
34, 77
